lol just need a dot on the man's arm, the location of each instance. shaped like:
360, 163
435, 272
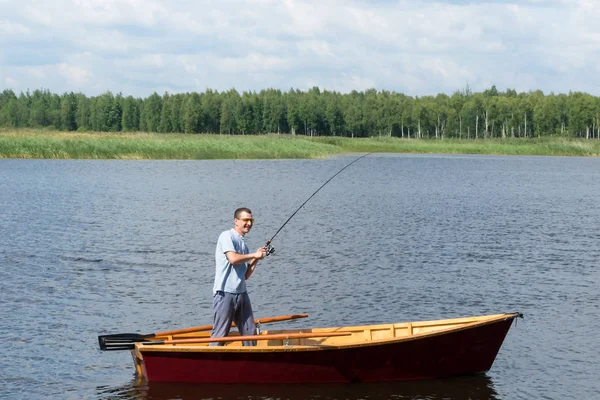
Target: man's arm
252, 259
236, 258
251, 268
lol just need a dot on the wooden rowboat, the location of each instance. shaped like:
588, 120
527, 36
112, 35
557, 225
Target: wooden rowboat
372, 353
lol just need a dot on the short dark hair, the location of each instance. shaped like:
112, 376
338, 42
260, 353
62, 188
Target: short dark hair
241, 210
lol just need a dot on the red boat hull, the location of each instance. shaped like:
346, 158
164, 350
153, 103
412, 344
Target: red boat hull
466, 351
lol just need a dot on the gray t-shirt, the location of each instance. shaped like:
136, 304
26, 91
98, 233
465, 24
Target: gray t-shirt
228, 277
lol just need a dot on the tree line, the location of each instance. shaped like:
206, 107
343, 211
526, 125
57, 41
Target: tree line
464, 114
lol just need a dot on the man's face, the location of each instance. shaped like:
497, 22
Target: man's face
243, 223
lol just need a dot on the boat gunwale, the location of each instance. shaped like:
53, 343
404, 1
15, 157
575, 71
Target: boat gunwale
141, 348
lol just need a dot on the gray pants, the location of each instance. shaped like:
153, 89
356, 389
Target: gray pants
232, 307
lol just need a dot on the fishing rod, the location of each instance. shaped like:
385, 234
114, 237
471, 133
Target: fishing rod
270, 249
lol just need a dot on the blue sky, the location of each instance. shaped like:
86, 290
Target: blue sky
414, 47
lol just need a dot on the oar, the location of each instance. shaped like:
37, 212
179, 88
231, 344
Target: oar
124, 338
275, 336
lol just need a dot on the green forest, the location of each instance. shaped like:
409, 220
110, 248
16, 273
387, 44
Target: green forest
316, 112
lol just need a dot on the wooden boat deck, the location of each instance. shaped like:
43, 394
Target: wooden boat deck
359, 336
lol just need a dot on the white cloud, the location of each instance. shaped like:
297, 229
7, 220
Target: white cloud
348, 83
38, 15
10, 82
94, 12
36, 73
11, 28
419, 48
74, 74
318, 48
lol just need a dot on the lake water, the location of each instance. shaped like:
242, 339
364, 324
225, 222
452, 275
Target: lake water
89, 247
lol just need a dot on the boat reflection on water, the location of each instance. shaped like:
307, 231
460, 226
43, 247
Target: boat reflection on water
473, 387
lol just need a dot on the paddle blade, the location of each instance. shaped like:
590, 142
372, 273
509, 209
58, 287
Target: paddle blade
121, 341
127, 341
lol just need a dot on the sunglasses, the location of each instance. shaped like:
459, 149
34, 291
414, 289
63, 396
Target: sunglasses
246, 220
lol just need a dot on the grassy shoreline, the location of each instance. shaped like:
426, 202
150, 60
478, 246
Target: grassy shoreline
93, 145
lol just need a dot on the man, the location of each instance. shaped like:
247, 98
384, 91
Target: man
234, 265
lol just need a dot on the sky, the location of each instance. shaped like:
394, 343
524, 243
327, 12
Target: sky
137, 47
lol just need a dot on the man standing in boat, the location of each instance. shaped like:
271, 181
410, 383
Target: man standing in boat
234, 265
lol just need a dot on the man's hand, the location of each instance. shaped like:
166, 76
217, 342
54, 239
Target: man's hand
260, 253
257, 255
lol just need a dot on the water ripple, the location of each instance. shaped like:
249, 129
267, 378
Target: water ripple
93, 247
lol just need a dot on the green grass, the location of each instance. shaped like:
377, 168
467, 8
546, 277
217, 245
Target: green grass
550, 146
42, 144
67, 145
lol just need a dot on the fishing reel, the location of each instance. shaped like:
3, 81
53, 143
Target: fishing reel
269, 249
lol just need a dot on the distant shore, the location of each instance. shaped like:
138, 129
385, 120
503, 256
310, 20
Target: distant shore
42, 144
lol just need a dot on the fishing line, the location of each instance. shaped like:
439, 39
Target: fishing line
268, 246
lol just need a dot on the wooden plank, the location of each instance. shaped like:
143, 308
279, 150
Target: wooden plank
454, 321
284, 336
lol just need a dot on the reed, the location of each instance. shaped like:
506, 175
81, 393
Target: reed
548, 146
62, 145
68, 145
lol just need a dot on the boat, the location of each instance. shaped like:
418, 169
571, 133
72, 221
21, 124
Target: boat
369, 353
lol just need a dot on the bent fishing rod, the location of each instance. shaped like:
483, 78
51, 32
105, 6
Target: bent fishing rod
269, 249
